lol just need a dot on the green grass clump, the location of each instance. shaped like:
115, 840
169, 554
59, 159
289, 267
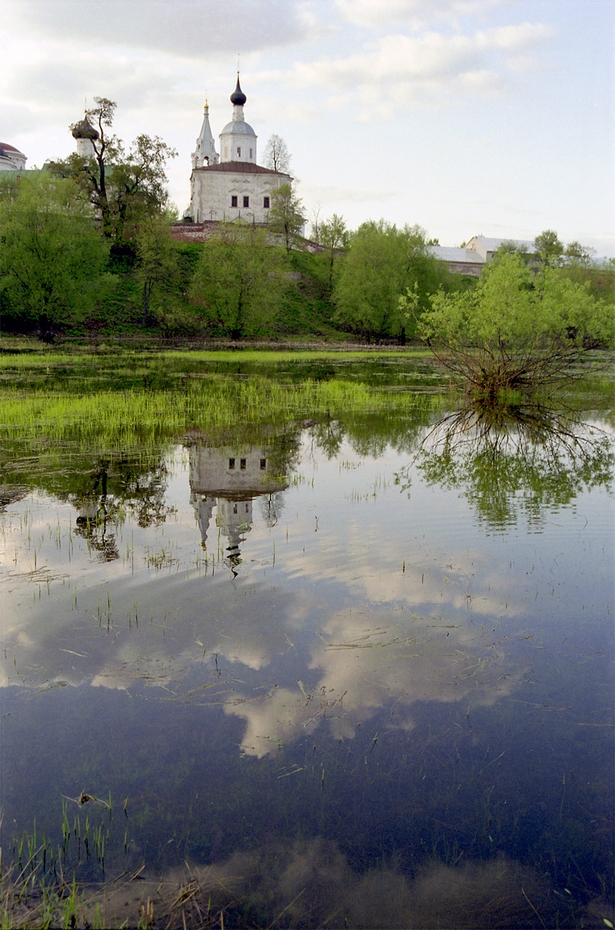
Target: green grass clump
213, 406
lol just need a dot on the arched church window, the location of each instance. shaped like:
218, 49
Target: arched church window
238, 151
246, 201
266, 203
233, 200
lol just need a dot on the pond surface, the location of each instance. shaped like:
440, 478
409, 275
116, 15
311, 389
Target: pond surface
320, 675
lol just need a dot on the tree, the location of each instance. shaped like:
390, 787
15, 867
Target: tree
334, 237
157, 264
240, 280
286, 215
517, 330
514, 248
277, 156
384, 263
51, 257
549, 248
579, 254
125, 188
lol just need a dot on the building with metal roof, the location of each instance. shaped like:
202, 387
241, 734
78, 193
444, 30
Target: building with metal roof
471, 258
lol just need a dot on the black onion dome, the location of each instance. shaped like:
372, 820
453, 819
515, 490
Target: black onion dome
238, 98
84, 130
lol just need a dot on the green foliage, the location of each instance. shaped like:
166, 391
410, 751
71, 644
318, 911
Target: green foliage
518, 328
286, 215
549, 248
125, 188
334, 237
51, 256
240, 281
157, 269
382, 264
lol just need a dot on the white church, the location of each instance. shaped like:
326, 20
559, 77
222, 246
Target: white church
231, 185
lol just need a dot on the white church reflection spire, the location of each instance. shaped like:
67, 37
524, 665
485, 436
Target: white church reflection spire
228, 479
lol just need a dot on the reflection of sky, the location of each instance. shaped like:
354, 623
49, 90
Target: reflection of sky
371, 597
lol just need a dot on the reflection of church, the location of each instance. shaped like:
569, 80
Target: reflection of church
228, 480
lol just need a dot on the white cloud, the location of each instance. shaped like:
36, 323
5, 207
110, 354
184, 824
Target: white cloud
184, 27
329, 194
416, 13
422, 70
515, 38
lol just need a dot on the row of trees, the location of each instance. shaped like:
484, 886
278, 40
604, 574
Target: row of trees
90, 239
61, 268
62, 265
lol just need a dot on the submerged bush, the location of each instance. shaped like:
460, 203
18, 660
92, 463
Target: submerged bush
519, 329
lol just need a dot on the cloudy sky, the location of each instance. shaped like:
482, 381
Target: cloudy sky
469, 117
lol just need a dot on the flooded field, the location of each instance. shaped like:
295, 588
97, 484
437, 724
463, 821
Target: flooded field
279, 651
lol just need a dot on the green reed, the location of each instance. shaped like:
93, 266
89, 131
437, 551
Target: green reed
212, 405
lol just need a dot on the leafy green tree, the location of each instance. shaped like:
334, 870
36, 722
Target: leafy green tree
157, 269
334, 237
51, 257
518, 329
579, 254
240, 280
549, 248
384, 263
514, 248
125, 188
286, 215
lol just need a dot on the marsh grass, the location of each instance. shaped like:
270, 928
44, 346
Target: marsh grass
209, 408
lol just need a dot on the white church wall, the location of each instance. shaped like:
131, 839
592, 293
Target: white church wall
231, 195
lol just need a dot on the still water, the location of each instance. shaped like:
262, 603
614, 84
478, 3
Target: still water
324, 677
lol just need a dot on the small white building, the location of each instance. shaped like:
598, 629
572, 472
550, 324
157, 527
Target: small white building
471, 259
231, 185
11, 159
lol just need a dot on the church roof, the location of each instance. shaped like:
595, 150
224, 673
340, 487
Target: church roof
238, 98
238, 126
9, 149
84, 130
11, 159
241, 167
205, 141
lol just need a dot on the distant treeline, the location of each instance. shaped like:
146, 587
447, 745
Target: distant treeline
63, 271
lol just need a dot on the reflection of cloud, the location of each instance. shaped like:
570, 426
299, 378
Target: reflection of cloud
365, 668
275, 718
312, 884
